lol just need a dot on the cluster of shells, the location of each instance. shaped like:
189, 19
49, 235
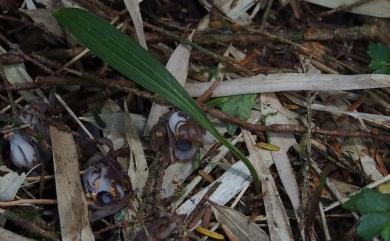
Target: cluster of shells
106, 184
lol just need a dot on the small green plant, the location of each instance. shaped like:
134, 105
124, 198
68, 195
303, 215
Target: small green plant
238, 106
127, 57
375, 210
380, 58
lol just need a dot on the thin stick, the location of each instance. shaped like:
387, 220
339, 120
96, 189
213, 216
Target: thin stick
280, 128
47, 177
74, 116
287, 128
10, 97
324, 223
8, 107
203, 50
28, 202
371, 185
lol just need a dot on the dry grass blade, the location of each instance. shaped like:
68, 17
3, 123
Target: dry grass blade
72, 204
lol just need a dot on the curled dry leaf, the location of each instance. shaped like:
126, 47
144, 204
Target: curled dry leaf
108, 186
178, 136
158, 229
239, 224
10, 183
23, 151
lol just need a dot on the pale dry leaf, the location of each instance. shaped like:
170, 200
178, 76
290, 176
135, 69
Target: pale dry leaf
135, 14
345, 189
10, 184
231, 183
277, 219
291, 82
138, 167
380, 120
221, 153
115, 120
72, 205
375, 8
70, 4
174, 176
45, 18
235, 11
239, 224
17, 74
30, 4
273, 111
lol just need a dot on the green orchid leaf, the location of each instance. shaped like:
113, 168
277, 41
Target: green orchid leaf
127, 57
386, 232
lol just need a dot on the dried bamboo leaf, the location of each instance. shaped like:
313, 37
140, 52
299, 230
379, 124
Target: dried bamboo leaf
222, 151
291, 82
135, 14
30, 4
273, 111
231, 183
174, 176
115, 120
277, 219
239, 224
380, 120
72, 205
138, 167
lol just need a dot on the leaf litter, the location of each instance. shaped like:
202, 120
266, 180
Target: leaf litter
110, 181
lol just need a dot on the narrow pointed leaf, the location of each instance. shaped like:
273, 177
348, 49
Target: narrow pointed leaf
130, 59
